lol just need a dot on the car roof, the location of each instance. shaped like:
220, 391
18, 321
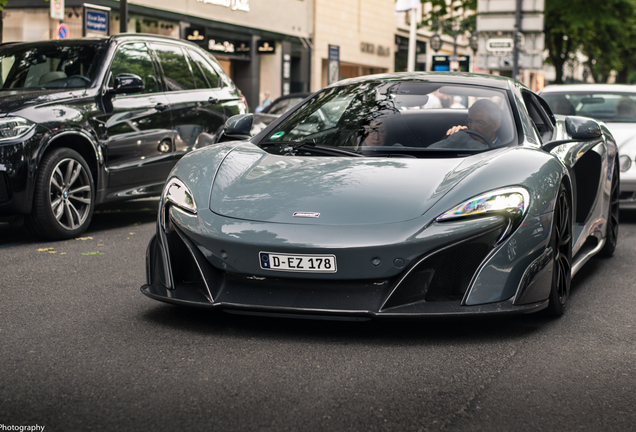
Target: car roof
586, 88
437, 77
98, 40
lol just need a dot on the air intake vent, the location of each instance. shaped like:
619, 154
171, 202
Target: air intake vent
444, 275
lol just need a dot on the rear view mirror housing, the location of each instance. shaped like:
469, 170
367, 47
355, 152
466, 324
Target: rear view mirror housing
238, 127
582, 128
128, 83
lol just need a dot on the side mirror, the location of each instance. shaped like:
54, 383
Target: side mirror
128, 83
582, 128
238, 127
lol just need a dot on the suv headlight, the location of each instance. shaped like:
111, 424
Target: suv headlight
512, 202
14, 127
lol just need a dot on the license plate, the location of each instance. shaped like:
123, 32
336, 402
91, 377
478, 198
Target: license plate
298, 263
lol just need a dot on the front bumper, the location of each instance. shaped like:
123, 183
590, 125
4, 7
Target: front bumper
627, 193
16, 176
447, 269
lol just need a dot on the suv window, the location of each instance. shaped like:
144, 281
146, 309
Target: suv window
205, 68
135, 59
175, 67
50, 65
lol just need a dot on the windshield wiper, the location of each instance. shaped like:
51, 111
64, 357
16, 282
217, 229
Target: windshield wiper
290, 147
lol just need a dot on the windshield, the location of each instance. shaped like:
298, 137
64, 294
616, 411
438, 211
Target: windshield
610, 107
49, 65
400, 116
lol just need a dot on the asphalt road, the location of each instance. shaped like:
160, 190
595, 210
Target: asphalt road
83, 349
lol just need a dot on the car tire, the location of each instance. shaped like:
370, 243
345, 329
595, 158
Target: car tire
611, 233
64, 196
561, 244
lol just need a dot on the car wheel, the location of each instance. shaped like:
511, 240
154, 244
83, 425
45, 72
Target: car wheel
64, 197
561, 244
611, 235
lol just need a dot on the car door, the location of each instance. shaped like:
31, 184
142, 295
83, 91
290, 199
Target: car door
137, 137
194, 96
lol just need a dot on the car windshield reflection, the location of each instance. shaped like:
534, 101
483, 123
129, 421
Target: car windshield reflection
400, 117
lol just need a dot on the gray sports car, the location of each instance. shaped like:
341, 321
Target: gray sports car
396, 195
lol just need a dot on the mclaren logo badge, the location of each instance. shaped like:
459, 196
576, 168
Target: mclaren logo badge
306, 214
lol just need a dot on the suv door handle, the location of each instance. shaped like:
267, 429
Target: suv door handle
213, 101
161, 107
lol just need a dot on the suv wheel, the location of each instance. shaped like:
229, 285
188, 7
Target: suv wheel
64, 197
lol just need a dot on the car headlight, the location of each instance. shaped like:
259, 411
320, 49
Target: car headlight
175, 192
178, 194
512, 202
14, 127
625, 163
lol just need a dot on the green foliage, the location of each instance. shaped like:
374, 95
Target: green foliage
604, 31
443, 11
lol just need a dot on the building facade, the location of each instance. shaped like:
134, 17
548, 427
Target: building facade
263, 46
362, 32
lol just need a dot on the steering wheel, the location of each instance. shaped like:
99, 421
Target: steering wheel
484, 138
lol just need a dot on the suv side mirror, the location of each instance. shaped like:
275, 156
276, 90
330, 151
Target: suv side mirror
239, 126
128, 83
582, 128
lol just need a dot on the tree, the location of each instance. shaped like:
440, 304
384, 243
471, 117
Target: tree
603, 31
2, 5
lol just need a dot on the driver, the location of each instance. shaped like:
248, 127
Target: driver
483, 116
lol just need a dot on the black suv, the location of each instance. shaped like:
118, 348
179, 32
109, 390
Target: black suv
83, 122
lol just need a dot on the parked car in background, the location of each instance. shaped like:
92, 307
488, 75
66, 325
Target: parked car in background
616, 106
83, 122
357, 203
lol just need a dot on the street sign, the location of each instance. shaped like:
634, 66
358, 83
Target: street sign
57, 9
499, 45
333, 73
62, 31
500, 6
96, 20
506, 22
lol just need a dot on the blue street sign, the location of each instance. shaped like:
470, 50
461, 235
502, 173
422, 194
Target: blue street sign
97, 21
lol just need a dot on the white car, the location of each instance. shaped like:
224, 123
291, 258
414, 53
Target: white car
613, 104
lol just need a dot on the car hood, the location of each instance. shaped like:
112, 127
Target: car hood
254, 185
14, 100
625, 136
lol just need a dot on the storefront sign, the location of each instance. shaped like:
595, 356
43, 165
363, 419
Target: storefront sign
448, 63
221, 46
237, 5
266, 47
195, 34
369, 48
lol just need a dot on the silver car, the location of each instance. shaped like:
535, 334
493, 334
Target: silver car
616, 106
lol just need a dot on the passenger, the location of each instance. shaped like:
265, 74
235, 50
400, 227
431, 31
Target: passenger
375, 134
626, 107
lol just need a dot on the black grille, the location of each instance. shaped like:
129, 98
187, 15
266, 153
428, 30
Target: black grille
445, 275
184, 268
4, 188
